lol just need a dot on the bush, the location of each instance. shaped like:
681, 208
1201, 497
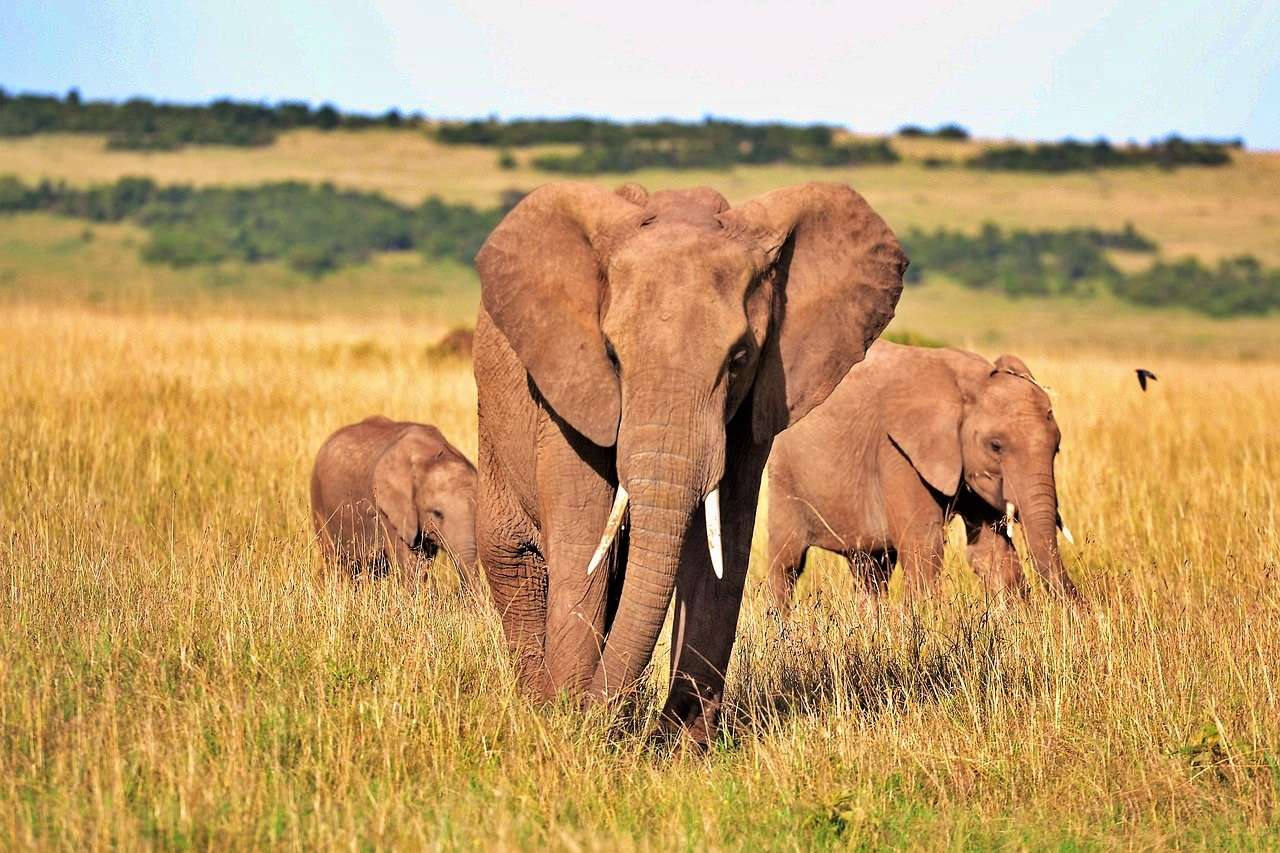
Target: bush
1021, 263
1070, 155
608, 146
16, 196
942, 131
1238, 286
142, 124
314, 229
317, 229
951, 131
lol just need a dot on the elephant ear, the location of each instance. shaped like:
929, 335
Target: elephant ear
394, 485
923, 418
633, 193
541, 280
837, 274
1016, 366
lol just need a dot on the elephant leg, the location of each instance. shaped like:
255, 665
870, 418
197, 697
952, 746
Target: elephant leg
508, 545
788, 547
917, 522
575, 494
921, 551
406, 563
707, 607
995, 560
871, 571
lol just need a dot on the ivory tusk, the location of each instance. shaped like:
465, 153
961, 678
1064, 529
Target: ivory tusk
712, 511
1008, 513
610, 529
1066, 531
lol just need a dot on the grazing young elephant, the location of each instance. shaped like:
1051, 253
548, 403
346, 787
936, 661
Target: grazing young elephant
911, 437
387, 493
640, 352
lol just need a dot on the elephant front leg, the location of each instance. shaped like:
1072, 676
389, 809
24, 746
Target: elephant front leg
707, 607
517, 575
788, 545
408, 564
575, 498
871, 571
916, 521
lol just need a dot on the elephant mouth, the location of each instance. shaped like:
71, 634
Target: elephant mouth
425, 546
711, 507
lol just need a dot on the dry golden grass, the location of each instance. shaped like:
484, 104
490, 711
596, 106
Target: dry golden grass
1210, 213
178, 672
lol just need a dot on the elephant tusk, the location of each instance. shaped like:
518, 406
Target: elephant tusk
712, 509
1008, 514
610, 529
1066, 531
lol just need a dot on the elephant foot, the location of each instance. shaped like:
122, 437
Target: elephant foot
691, 714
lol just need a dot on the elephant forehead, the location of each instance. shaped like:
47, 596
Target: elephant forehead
1014, 393
449, 476
672, 253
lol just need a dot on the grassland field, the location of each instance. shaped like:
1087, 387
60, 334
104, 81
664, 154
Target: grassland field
179, 671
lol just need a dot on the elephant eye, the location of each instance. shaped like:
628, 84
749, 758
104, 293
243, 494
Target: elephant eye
738, 359
996, 446
437, 515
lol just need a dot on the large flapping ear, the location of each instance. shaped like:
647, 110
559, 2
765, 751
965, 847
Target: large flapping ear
1016, 366
394, 481
541, 279
837, 271
924, 423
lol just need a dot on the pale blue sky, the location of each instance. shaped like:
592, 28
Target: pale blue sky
1131, 69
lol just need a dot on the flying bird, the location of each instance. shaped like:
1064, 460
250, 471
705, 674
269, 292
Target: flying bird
1143, 376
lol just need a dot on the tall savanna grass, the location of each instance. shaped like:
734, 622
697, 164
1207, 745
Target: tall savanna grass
177, 668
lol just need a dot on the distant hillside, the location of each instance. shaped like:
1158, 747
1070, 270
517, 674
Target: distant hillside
1210, 214
604, 146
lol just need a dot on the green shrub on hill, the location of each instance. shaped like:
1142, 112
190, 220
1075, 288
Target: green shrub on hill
1021, 263
629, 157
1237, 286
942, 131
1072, 156
314, 229
143, 124
518, 133
318, 228
608, 146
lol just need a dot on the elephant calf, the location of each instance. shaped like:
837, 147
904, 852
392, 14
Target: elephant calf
909, 438
387, 493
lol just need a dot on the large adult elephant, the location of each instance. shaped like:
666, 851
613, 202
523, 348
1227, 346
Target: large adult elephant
639, 352
909, 439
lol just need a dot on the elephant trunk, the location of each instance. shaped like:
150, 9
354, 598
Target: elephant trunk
1037, 505
665, 466
468, 565
459, 542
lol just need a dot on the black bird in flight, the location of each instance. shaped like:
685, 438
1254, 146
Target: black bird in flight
1143, 376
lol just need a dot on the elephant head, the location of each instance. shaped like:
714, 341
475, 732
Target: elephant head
991, 427
425, 496
648, 322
